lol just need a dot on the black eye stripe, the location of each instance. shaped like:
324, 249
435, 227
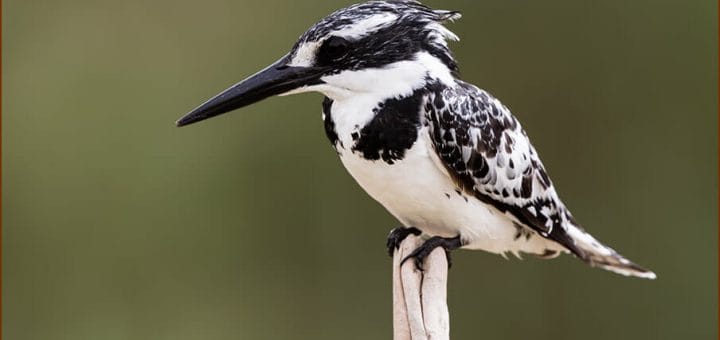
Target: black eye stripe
333, 49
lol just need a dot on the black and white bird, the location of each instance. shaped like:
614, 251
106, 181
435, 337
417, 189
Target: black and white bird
444, 157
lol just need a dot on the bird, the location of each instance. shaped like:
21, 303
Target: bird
447, 159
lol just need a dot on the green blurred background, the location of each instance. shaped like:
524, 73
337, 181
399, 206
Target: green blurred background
117, 225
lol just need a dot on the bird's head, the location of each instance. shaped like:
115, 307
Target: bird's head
388, 47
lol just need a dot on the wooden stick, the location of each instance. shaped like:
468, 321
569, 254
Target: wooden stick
420, 309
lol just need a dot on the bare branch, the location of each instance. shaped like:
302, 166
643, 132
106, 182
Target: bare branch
420, 298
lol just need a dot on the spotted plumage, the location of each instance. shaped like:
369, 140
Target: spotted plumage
440, 154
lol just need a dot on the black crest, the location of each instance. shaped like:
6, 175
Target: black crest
399, 40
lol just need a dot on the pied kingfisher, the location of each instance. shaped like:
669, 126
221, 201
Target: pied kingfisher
446, 158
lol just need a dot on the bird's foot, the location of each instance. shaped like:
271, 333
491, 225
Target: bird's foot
398, 235
421, 252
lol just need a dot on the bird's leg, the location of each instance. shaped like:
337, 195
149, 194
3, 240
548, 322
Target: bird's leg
396, 237
426, 248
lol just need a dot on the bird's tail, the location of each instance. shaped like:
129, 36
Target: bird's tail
597, 254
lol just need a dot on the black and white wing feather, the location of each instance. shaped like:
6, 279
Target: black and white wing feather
487, 153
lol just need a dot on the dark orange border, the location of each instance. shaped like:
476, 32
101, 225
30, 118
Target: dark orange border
717, 141
1, 267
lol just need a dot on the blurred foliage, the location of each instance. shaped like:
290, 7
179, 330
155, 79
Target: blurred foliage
117, 225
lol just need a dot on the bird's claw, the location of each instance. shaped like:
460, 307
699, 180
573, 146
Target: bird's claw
423, 251
398, 235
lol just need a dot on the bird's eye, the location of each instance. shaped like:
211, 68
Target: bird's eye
333, 49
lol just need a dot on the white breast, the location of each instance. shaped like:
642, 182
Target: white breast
420, 194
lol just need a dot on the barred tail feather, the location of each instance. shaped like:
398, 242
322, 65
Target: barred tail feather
596, 254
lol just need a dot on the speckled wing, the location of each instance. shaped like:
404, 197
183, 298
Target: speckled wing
487, 153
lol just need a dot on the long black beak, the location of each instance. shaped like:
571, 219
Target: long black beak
275, 79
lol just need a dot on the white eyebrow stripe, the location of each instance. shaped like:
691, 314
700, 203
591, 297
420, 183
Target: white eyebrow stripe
366, 26
305, 54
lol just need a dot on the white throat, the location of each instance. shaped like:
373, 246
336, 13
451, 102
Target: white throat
357, 94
